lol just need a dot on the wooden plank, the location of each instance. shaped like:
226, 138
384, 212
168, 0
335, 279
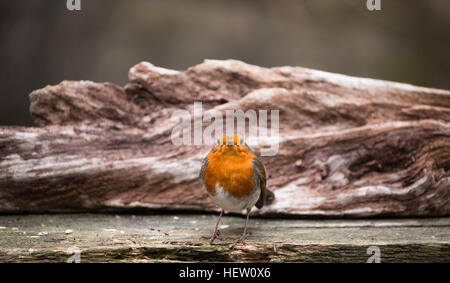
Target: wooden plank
161, 238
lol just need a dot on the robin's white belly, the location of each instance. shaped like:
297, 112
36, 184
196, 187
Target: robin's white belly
233, 204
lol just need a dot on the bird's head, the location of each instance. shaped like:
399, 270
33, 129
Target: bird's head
231, 143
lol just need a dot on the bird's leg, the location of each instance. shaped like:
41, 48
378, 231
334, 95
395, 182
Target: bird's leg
244, 234
216, 233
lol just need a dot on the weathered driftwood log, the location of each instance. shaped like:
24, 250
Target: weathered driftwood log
348, 146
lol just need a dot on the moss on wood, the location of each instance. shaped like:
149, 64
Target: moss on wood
178, 238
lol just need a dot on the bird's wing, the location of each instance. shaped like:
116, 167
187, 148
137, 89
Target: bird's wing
260, 174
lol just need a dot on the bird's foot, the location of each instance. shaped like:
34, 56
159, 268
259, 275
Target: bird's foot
241, 239
215, 235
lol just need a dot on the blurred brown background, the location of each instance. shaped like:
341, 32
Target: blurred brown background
44, 43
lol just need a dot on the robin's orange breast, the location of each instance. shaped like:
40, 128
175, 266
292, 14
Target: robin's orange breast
231, 169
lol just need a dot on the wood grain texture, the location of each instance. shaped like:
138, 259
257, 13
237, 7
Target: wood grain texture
177, 238
350, 147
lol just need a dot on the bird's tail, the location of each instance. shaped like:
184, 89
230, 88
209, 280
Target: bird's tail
270, 197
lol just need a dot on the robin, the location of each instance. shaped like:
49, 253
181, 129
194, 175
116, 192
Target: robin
235, 179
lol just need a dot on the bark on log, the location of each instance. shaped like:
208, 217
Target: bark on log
349, 146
